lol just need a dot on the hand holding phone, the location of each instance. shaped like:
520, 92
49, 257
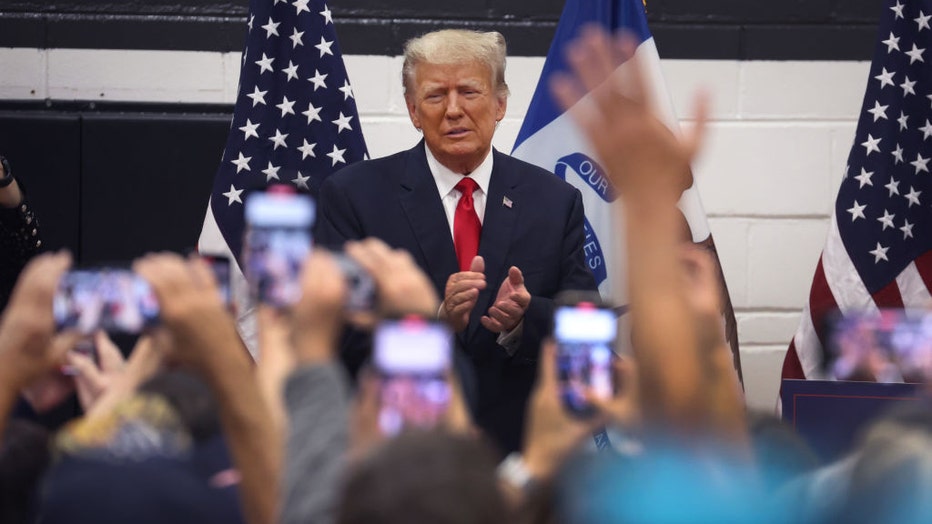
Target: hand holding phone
412, 358
85, 347
585, 333
361, 292
112, 299
278, 239
220, 267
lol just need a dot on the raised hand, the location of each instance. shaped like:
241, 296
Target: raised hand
276, 361
92, 380
144, 361
318, 316
703, 287
551, 433
30, 350
643, 157
202, 332
29, 347
204, 337
403, 288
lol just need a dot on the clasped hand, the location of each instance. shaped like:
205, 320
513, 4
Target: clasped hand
462, 294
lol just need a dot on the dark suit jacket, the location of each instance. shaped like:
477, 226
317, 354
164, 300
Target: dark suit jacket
395, 199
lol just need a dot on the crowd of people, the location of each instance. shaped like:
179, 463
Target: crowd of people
189, 428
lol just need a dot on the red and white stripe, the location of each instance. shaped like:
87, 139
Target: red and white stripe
837, 285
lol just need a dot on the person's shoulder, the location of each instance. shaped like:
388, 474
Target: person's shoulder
363, 170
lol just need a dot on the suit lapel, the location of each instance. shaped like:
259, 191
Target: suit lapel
501, 212
421, 203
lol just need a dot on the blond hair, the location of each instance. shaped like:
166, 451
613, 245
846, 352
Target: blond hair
452, 46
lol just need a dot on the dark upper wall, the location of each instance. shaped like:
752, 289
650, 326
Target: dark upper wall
717, 29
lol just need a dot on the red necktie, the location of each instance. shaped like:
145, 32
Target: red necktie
466, 225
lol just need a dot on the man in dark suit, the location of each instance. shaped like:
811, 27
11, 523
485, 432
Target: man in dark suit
499, 237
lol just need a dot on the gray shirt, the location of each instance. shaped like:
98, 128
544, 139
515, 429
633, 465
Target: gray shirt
317, 400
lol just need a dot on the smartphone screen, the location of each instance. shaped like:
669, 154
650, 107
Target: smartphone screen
111, 299
278, 239
891, 345
412, 358
220, 267
585, 335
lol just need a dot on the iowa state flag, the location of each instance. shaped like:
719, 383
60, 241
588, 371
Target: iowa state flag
550, 139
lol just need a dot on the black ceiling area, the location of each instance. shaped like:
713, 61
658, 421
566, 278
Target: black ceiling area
685, 29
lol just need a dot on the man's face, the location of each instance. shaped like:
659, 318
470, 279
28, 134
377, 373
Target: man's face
456, 107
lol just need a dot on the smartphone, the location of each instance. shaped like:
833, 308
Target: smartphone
278, 239
360, 285
112, 299
890, 345
412, 358
585, 333
87, 347
220, 267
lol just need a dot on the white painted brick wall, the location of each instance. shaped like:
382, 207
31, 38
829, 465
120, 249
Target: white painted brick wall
149, 75
782, 256
761, 366
718, 78
801, 90
778, 143
747, 168
777, 149
24, 74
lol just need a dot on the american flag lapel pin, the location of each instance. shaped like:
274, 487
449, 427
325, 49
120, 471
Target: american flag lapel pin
507, 202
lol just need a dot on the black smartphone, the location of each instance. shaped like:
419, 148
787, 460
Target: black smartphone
87, 347
412, 358
220, 266
889, 345
115, 300
585, 329
278, 239
361, 294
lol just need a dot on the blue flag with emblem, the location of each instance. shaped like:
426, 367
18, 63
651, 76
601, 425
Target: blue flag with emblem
550, 139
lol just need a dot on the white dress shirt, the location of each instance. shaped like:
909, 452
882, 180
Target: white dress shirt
446, 180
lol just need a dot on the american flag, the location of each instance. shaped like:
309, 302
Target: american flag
877, 251
295, 120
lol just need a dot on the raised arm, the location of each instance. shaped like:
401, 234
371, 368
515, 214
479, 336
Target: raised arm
649, 165
205, 339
